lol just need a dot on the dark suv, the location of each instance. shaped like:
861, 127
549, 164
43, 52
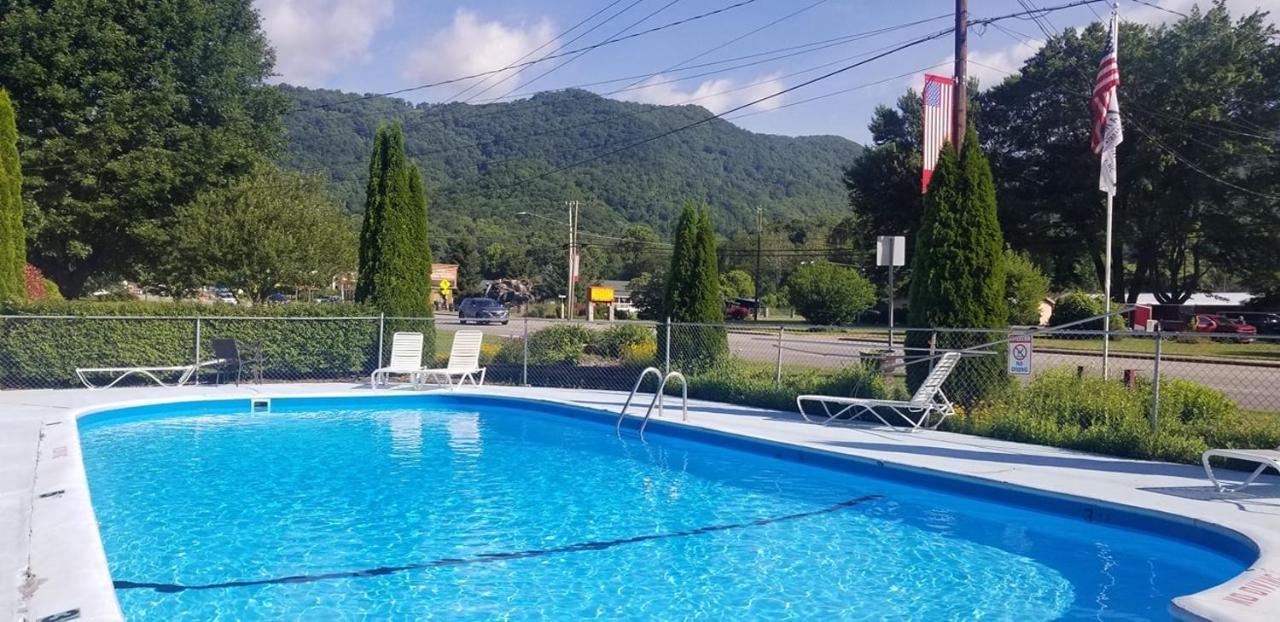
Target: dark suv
1266, 323
482, 311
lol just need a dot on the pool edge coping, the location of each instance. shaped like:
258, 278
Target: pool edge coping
67, 518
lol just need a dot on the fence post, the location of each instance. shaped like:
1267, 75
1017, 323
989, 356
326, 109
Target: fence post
1155, 386
197, 350
382, 320
777, 368
667, 347
524, 371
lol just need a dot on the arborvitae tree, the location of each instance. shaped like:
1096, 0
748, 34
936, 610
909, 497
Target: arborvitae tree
13, 239
395, 259
958, 271
693, 296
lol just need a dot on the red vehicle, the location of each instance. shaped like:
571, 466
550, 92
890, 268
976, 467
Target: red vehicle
1244, 333
737, 310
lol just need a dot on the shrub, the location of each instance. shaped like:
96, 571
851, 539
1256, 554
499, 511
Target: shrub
45, 352
1076, 306
640, 354
564, 343
827, 294
611, 342
1025, 288
1091, 414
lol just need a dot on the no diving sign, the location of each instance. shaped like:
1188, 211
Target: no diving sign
1020, 355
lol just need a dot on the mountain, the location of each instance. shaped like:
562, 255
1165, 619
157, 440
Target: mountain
484, 163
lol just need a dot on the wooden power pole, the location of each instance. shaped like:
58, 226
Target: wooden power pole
959, 98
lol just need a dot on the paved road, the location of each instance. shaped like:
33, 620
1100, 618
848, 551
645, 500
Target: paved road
1253, 387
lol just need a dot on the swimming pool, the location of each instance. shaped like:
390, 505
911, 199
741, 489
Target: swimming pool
479, 508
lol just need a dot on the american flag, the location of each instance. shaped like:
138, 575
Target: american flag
1105, 104
937, 122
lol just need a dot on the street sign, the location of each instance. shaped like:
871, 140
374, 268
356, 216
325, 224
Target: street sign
1020, 355
891, 250
444, 287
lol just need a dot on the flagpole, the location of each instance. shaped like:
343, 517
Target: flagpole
1106, 297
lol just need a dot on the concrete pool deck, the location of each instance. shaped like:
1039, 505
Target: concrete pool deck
51, 558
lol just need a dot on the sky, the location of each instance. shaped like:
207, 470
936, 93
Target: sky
379, 46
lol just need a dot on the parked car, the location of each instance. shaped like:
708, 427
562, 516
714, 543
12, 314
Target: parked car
738, 309
482, 311
278, 298
1240, 330
1266, 323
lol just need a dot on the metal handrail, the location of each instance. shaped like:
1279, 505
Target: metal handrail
623, 413
684, 400
657, 398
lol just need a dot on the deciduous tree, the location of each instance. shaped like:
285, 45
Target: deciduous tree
272, 230
129, 111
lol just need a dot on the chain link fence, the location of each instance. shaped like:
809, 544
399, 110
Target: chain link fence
746, 362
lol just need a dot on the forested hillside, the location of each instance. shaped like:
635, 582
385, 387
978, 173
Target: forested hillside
487, 162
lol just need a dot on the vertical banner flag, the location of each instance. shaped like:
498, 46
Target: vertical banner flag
937, 123
1107, 132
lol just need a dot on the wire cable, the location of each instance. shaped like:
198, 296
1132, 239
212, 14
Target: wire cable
673, 24
546, 43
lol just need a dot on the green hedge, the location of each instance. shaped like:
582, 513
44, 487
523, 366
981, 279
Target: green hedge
44, 352
1060, 409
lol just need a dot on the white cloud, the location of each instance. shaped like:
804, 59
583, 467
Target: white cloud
314, 38
716, 95
471, 45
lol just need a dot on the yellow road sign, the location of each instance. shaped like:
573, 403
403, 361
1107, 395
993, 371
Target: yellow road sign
444, 286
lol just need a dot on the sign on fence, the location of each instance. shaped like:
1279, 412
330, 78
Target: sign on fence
1020, 355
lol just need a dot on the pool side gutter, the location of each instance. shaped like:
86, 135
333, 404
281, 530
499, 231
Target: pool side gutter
51, 548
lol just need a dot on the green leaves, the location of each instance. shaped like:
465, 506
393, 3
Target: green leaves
958, 267
827, 294
271, 231
129, 111
13, 239
395, 257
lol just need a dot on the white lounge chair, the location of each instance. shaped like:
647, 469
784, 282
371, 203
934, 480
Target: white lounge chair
464, 361
929, 399
150, 372
1262, 457
406, 359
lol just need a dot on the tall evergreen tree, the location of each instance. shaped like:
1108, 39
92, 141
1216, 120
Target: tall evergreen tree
958, 270
395, 259
693, 295
13, 239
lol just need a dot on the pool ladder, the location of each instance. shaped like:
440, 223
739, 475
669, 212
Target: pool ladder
657, 398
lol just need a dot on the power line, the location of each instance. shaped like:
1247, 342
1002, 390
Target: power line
733, 40
481, 74
546, 43
585, 52
435, 114
1166, 10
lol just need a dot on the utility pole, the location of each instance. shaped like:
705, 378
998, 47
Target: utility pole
759, 251
960, 99
569, 300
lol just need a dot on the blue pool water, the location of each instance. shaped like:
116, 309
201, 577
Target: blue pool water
455, 510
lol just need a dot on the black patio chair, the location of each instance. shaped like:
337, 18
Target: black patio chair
227, 352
